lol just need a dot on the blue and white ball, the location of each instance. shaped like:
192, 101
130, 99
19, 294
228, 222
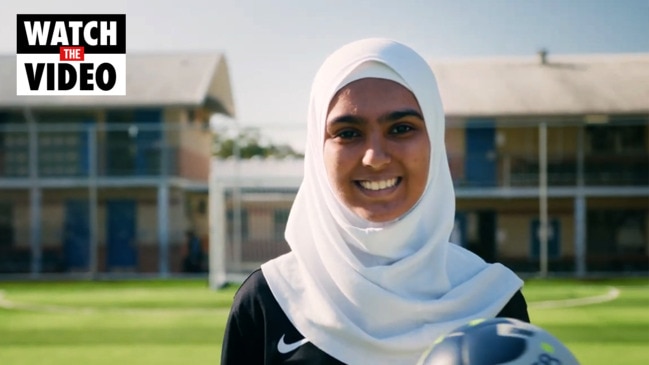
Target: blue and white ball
498, 341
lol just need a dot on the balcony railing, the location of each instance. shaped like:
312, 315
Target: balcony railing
74, 151
629, 169
145, 150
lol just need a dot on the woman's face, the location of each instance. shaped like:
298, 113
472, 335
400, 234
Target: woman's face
376, 148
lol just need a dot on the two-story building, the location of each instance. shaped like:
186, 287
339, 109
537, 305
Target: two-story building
578, 123
109, 183
586, 119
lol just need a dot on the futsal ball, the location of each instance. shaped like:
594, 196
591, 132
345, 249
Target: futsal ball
498, 341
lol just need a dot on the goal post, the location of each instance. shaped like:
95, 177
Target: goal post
249, 203
218, 233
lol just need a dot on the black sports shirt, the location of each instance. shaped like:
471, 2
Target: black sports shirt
259, 333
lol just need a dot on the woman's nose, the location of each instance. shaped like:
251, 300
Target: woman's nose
376, 155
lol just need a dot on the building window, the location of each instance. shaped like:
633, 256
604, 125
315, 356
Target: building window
59, 153
627, 138
15, 154
133, 142
617, 154
617, 232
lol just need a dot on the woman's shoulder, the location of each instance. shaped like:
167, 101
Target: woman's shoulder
516, 307
255, 280
254, 289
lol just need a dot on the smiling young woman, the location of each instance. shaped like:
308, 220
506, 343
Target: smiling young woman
371, 277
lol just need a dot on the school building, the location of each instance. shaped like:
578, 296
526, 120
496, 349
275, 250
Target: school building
109, 184
580, 123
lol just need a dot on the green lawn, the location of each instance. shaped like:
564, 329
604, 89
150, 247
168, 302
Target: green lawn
613, 332
181, 322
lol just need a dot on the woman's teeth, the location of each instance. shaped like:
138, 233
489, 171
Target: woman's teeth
379, 185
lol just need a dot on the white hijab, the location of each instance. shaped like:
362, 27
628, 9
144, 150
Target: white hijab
368, 293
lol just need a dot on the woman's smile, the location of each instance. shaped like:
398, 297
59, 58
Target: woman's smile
378, 188
379, 185
376, 138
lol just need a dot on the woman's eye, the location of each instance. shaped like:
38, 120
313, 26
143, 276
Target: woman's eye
347, 134
401, 128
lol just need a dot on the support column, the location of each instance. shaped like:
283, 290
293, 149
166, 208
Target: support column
163, 206
35, 202
543, 199
580, 210
580, 235
93, 201
163, 229
35, 196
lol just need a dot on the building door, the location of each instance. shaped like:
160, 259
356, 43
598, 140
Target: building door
121, 245
487, 234
76, 235
6, 225
480, 161
480, 228
554, 242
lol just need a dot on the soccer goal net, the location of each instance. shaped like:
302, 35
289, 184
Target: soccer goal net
249, 205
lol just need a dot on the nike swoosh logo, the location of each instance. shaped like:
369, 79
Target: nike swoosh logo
285, 348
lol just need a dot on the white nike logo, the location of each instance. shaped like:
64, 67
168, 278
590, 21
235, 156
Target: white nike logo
285, 348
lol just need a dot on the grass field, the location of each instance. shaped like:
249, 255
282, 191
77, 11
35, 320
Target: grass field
182, 322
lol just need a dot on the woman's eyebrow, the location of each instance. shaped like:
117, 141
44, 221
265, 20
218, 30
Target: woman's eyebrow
389, 117
398, 114
346, 118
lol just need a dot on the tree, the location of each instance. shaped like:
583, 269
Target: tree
251, 143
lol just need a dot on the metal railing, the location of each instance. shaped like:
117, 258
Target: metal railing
73, 151
521, 170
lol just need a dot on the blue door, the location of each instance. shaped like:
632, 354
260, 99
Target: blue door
480, 162
554, 241
120, 226
76, 235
